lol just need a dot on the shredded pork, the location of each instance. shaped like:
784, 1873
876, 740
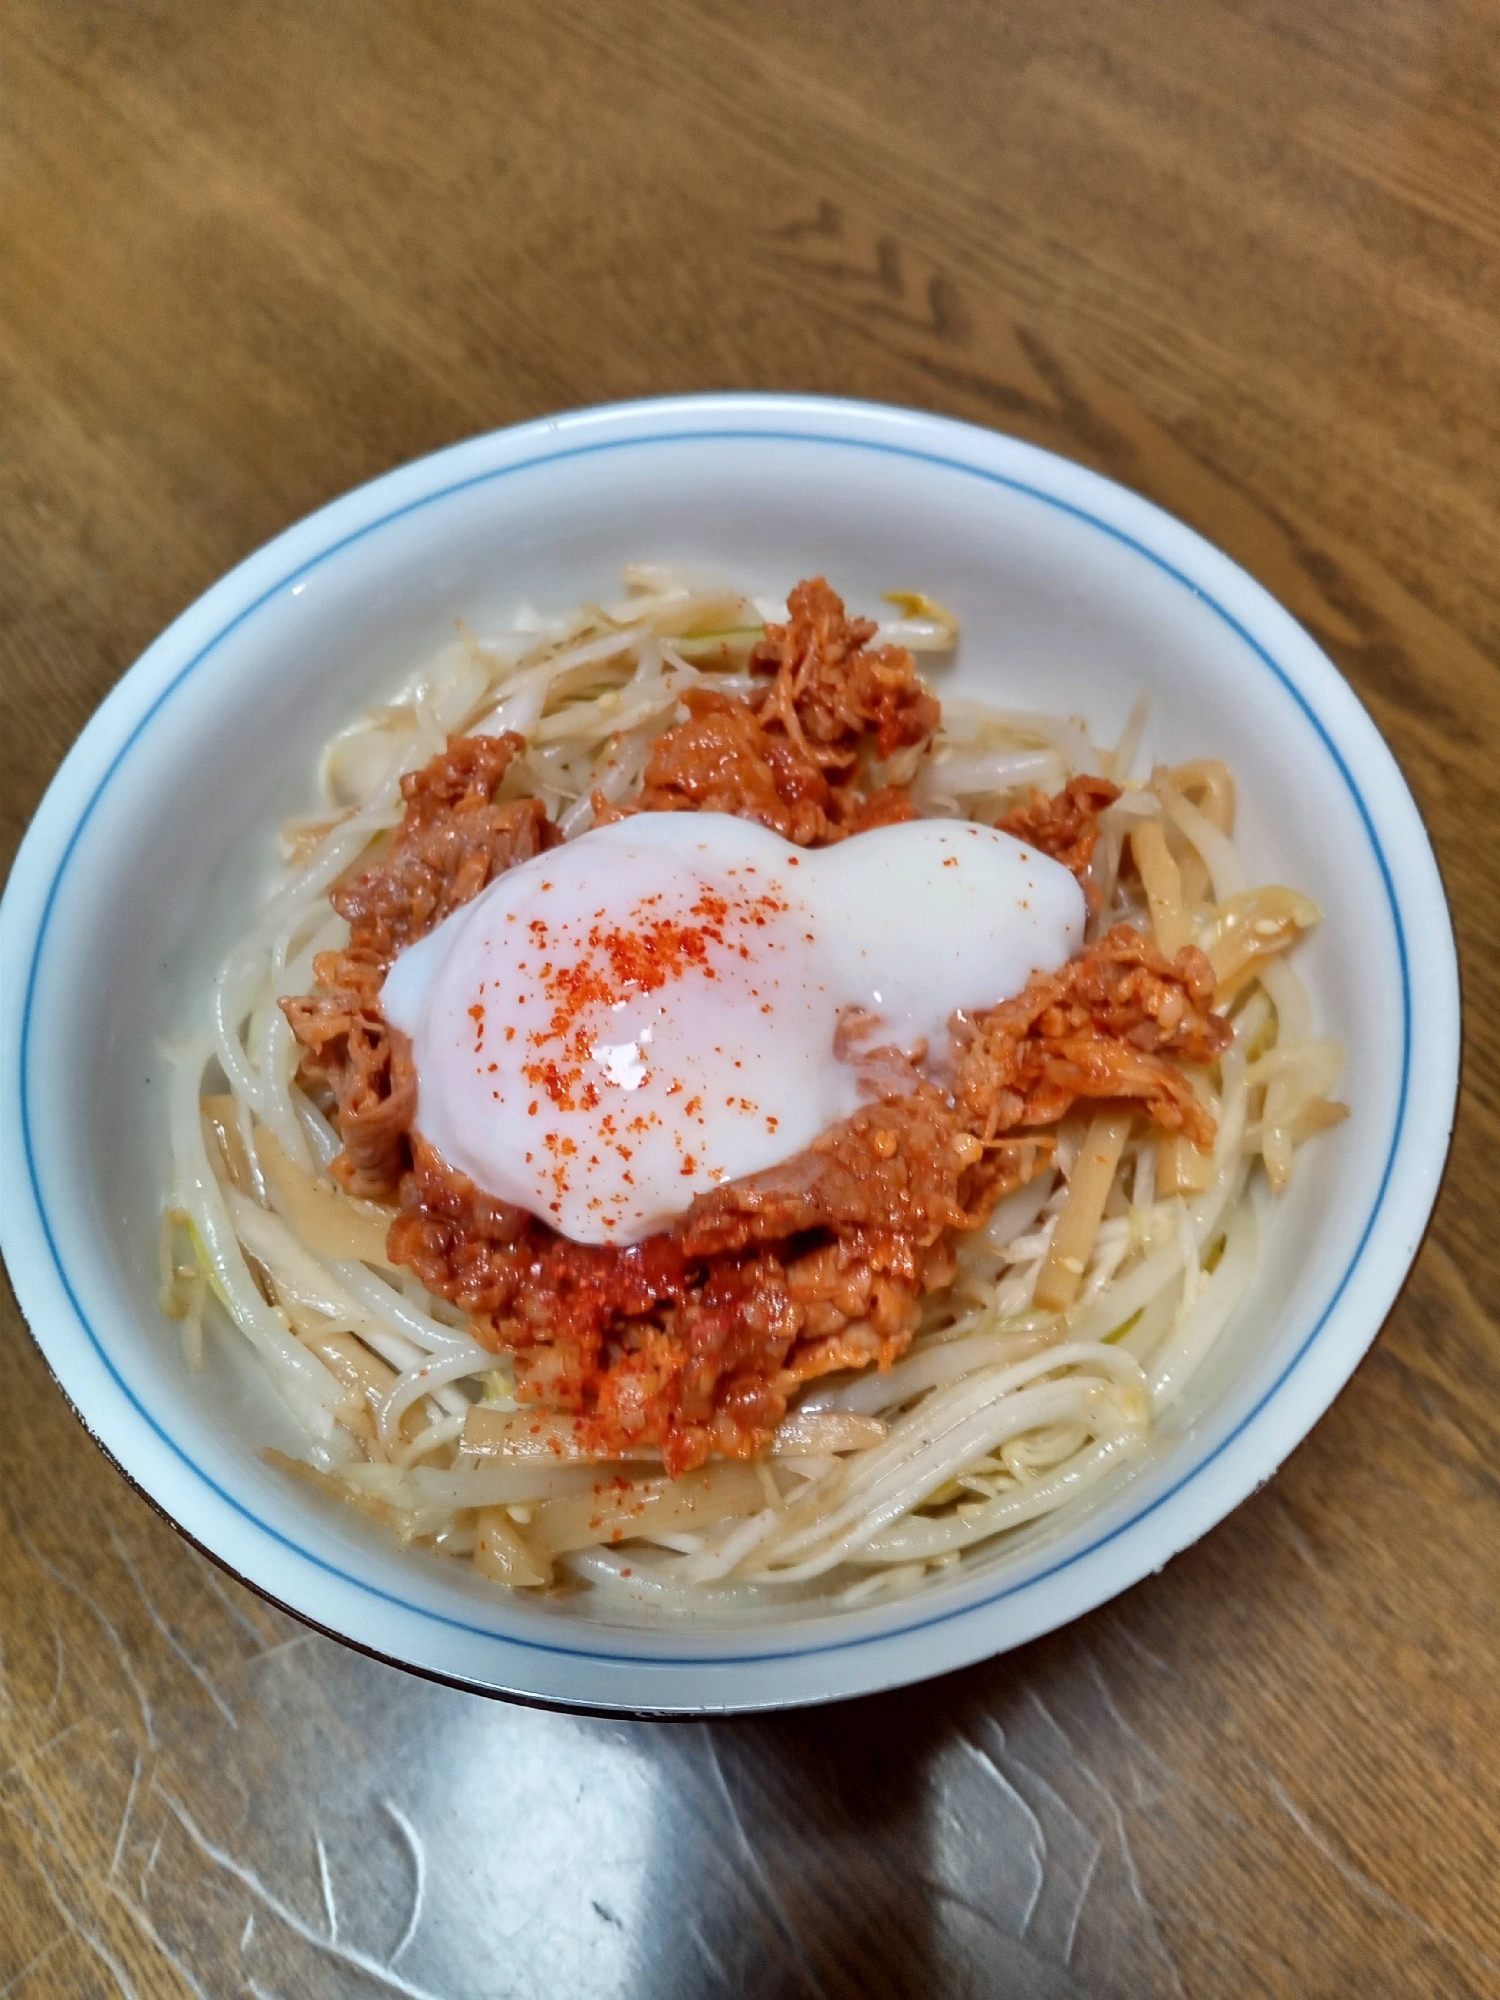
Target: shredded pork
1066, 826
796, 756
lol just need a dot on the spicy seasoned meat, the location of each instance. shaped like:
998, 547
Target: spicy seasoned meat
909, 1167
1115, 1022
791, 756
1066, 826
664, 1342
832, 693
453, 839
722, 760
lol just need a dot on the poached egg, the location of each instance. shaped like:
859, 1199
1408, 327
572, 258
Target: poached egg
619, 1025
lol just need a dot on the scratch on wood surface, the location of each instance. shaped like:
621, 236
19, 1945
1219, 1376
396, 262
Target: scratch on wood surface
1037, 1839
198, 1673
14, 1984
284, 1646
1071, 1826
40, 1798
1162, 1777
710, 1957
135, 1779
59, 1840
325, 1883
1133, 1877
158, 1942
58, 1668
150, 1864
1371, 1890
77, 1590
1122, 1835
418, 1854
85, 1936
347, 1954
30, 1756
1080, 1901
936, 1886
1121, 1630
758, 1868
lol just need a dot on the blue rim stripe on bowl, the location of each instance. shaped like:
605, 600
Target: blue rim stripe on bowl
719, 434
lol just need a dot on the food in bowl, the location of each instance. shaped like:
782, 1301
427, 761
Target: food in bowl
703, 1121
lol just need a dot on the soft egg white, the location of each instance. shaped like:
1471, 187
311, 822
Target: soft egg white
621, 1024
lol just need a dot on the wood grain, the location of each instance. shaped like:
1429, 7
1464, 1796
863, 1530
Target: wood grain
1246, 260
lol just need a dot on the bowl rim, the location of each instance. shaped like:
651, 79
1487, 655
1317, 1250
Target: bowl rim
885, 1651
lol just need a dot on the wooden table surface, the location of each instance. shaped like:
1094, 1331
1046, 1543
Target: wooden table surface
1246, 260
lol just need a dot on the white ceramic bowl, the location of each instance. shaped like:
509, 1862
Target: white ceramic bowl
1073, 593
